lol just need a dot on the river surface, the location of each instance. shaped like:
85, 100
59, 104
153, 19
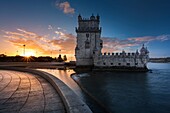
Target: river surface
124, 92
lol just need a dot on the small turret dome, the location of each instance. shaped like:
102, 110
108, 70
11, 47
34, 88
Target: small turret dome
92, 17
137, 53
79, 17
143, 50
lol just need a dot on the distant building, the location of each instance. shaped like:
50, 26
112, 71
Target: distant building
89, 45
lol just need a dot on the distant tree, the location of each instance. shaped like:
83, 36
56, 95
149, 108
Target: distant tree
65, 58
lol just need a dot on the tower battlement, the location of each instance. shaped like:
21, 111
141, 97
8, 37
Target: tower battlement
92, 18
88, 24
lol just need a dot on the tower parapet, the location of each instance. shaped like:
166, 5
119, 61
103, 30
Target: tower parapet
88, 25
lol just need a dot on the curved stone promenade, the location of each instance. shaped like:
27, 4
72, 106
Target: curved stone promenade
27, 93
45, 99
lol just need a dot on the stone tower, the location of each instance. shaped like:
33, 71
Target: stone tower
88, 40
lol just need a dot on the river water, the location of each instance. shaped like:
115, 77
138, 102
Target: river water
125, 92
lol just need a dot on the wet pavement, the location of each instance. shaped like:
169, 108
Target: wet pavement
27, 93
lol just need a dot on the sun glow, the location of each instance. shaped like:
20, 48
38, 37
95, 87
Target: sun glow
29, 53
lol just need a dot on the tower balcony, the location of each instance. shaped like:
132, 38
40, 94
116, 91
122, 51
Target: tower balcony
88, 29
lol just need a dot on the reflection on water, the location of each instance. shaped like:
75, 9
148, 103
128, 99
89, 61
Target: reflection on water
122, 92
64, 75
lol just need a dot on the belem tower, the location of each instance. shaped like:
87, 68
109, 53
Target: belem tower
89, 46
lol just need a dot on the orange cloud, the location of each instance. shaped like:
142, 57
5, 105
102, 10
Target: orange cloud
65, 6
42, 44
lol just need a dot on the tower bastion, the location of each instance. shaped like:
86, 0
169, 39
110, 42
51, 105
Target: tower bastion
89, 45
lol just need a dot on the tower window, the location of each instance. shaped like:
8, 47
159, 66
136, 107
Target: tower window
119, 64
104, 63
111, 63
87, 35
101, 44
87, 44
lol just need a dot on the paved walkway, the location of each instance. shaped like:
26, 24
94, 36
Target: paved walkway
27, 93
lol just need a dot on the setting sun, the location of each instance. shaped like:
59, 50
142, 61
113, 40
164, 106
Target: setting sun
29, 53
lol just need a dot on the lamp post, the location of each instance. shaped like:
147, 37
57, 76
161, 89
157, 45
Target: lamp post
59, 51
24, 49
52, 54
17, 52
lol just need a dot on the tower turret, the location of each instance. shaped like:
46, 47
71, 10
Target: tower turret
137, 53
79, 17
92, 17
143, 50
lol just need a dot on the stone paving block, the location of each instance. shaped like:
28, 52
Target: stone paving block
36, 88
79, 109
8, 111
49, 91
5, 94
24, 91
20, 95
4, 83
32, 108
54, 106
37, 99
24, 84
56, 111
11, 106
25, 88
53, 100
3, 100
35, 93
15, 100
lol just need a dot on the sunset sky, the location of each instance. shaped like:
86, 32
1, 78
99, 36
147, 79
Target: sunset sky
47, 26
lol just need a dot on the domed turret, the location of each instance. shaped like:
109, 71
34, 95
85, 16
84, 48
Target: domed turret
137, 53
79, 17
92, 17
143, 50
